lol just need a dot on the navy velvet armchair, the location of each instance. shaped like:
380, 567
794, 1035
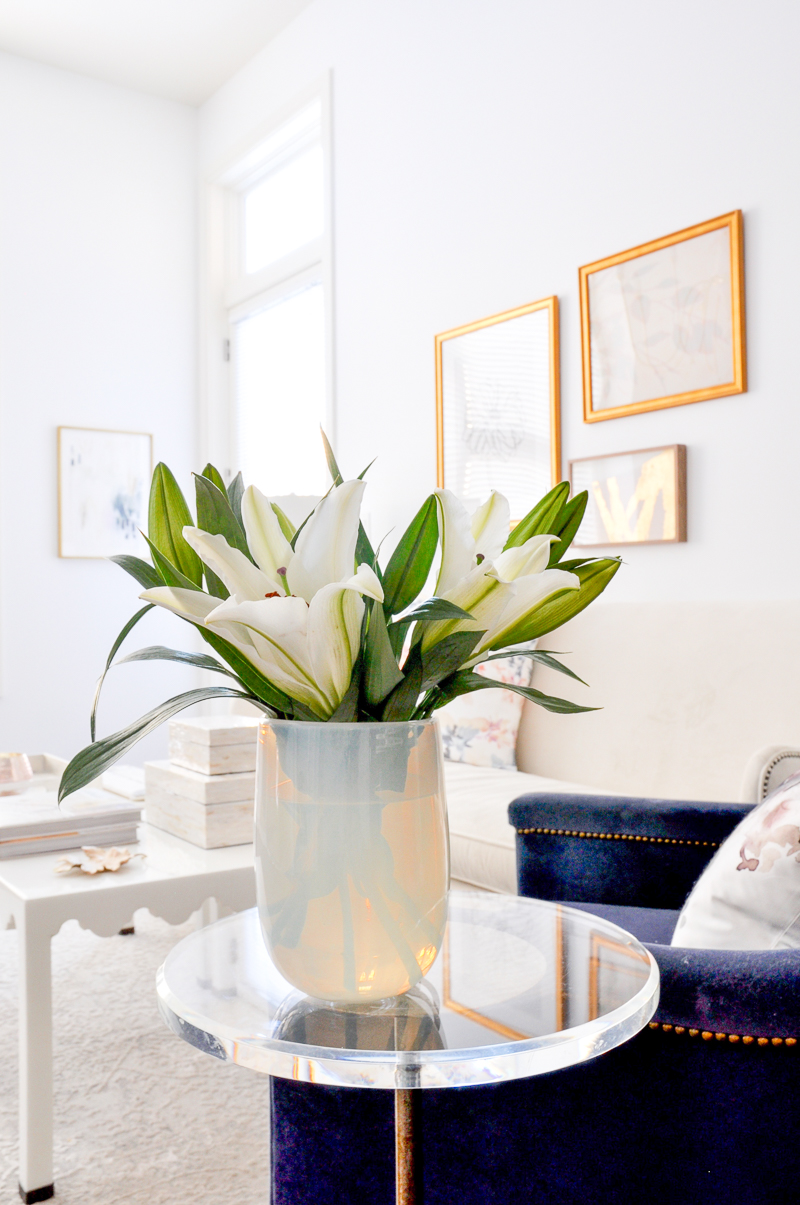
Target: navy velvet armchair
696, 1109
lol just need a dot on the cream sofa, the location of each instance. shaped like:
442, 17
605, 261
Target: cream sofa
699, 701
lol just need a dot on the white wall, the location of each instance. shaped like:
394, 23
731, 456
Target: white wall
482, 152
97, 247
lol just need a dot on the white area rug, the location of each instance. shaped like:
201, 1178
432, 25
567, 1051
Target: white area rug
140, 1117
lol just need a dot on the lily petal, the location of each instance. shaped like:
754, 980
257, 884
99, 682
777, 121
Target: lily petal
366, 581
269, 546
530, 557
458, 545
334, 637
241, 576
490, 525
194, 605
326, 547
277, 628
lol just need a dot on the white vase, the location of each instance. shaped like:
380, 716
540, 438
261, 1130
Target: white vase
352, 855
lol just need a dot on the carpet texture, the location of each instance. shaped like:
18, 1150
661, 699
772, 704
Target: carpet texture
140, 1117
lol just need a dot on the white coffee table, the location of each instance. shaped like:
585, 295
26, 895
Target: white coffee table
173, 881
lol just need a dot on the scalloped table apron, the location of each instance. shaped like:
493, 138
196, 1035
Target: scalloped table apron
172, 882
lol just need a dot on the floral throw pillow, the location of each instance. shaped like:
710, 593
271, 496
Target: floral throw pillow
481, 728
748, 897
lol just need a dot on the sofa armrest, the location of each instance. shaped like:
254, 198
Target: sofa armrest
615, 849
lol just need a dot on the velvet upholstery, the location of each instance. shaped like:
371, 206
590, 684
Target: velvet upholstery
666, 1117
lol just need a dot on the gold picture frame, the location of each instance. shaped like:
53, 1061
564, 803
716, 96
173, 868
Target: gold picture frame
629, 493
103, 486
670, 338
498, 355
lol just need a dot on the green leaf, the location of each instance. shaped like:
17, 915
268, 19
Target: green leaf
157, 652
215, 476
465, 682
410, 563
132, 622
96, 758
235, 494
144, 574
567, 524
594, 578
365, 554
168, 514
540, 520
284, 522
169, 574
364, 472
333, 467
402, 702
381, 671
540, 656
215, 514
446, 657
433, 609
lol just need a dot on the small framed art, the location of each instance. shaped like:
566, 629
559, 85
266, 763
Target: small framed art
103, 484
497, 404
634, 497
663, 324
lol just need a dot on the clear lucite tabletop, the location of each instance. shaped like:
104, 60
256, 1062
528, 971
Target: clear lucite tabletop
521, 987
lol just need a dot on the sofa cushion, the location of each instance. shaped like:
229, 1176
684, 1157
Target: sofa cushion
480, 728
647, 924
748, 897
481, 839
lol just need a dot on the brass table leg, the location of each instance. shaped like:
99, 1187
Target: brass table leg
405, 1183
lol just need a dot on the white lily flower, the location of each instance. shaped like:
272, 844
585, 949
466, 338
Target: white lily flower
326, 547
278, 631
464, 539
269, 546
189, 604
479, 592
307, 649
232, 567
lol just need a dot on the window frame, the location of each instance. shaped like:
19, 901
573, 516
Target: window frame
228, 294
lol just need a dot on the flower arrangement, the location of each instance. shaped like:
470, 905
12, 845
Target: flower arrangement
307, 626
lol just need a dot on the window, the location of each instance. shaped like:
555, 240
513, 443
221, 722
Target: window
274, 313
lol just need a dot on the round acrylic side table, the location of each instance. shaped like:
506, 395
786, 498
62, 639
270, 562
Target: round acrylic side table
521, 987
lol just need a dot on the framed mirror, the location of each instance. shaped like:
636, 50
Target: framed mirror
498, 406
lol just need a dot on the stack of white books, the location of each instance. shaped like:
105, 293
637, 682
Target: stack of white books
33, 822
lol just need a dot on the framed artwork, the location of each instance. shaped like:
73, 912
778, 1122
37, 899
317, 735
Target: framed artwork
663, 324
634, 497
609, 961
498, 408
103, 487
528, 997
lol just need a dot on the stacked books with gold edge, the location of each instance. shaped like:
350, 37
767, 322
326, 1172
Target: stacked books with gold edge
31, 822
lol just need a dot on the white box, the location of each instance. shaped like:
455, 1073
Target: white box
207, 810
214, 744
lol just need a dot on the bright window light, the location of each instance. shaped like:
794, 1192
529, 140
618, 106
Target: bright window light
284, 211
279, 357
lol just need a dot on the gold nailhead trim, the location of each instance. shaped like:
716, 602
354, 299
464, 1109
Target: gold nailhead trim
708, 1036
566, 832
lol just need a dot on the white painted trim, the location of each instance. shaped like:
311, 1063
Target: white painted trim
220, 292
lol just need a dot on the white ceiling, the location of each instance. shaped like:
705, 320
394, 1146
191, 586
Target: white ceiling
180, 49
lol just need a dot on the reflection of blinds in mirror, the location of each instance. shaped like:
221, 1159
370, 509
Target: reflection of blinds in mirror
279, 362
496, 402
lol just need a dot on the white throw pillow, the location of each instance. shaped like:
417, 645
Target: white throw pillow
481, 728
748, 897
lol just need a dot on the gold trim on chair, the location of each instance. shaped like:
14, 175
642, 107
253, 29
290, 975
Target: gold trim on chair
709, 1035
567, 832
